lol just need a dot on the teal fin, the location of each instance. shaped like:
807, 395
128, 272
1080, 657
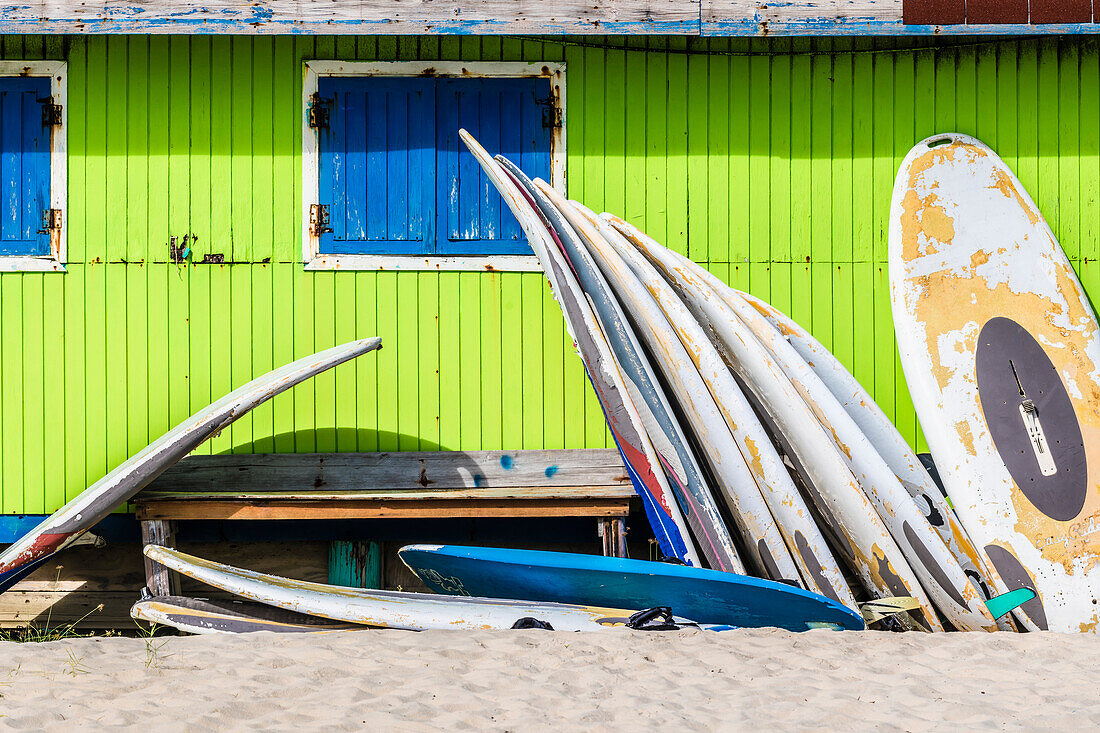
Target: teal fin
1000, 605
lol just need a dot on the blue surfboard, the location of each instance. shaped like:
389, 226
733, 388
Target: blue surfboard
706, 596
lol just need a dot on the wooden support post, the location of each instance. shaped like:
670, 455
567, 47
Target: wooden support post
612, 531
159, 579
355, 564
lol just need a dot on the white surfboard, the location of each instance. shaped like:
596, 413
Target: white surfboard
68, 523
1000, 350
762, 539
205, 616
623, 400
888, 442
387, 609
872, 552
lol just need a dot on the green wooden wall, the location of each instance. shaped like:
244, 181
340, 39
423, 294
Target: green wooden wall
771, 161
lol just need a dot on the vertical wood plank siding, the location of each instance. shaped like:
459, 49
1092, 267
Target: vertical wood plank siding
769, 160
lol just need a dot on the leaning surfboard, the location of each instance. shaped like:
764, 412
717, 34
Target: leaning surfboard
888, 442
858, 529
388, 609
711, 596
622, 404
1000, 350
661, 423
202, 616
97, 501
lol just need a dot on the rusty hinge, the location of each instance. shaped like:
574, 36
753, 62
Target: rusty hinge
318, 112
51, 221
51, 113
318, 220
551, 110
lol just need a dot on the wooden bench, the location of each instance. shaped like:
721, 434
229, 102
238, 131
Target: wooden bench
444, 484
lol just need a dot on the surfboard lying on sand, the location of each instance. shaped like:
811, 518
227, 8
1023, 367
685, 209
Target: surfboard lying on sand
202, 616
713, 597
1001, 352
97, 501
390, 609
645, 451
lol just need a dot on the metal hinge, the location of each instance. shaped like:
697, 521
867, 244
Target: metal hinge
318, 112
318, 220
51, 221
51, 113
551, 111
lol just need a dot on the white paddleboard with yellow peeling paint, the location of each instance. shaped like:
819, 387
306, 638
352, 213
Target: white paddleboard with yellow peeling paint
888, 442
1000, 351
872, 553
387, 609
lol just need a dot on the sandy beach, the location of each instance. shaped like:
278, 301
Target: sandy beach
532, 680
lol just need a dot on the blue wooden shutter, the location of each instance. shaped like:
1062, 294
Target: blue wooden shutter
509, 116
377, 165
24, 166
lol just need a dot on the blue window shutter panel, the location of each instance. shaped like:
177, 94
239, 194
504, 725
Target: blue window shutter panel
24, 166
506, 116
397, 178
377, 165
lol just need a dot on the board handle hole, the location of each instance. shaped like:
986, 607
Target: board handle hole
939, 142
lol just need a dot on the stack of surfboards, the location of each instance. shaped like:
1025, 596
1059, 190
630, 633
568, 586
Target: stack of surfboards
753, 448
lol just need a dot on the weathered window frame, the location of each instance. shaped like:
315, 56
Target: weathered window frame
313, 70
57, 71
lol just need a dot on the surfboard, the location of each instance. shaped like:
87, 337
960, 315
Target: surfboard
757, 452
660, 421
389, 609
622, 402
745, 331
999, 347
762, 540
712, 596
888, 443
858, 531
97, 501
202, 616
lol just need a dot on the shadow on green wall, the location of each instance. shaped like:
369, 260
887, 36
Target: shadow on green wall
336, 440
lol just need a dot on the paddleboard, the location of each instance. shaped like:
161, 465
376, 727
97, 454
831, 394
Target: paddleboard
622, 406
765, 467
202, 616
661, 423
388, 609
711, 596
97, 501
999, 347
887, 442
762, 540
859, 532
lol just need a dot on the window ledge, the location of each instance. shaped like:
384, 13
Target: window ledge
479, 263
17, 263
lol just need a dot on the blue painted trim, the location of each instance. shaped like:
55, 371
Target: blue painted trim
115, 528
875, 27
261, 23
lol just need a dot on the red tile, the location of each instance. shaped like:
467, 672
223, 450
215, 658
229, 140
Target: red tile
1061, 11
979, 12
932, 12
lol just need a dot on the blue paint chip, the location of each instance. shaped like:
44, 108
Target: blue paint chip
479, 480
550, 471
506, 462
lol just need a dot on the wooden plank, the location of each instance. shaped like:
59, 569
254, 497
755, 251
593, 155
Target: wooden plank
158, 579
389, 17
381, 509
412, 470
522, 493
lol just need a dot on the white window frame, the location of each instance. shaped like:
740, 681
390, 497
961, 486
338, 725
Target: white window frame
314, 70
57, 71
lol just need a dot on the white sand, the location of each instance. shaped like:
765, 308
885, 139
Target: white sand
533, 680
